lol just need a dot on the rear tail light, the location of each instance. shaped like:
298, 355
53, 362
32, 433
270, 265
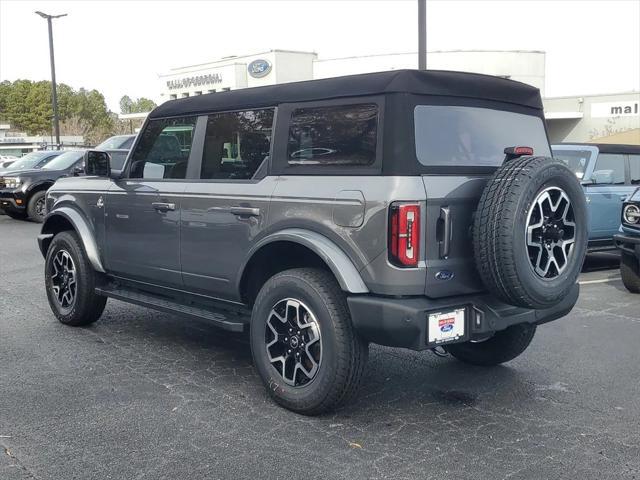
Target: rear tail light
404, 234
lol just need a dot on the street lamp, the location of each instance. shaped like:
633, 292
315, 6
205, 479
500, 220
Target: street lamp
422, 34
54, 94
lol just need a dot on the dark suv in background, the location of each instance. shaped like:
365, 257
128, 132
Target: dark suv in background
411, 209
22, 192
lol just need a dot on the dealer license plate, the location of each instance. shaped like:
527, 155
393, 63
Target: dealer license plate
446, 326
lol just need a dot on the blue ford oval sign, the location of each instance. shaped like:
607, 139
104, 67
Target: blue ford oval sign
259, 68
444, 275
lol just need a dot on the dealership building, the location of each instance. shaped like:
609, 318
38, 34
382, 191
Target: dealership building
607, 118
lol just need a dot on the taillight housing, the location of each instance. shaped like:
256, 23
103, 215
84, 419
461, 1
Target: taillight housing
404, 234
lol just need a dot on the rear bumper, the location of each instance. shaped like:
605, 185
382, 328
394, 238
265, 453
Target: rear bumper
627, 243
402, 322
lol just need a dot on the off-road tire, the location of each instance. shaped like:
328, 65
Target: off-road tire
88, 306
502, 347
630, 272
344, 353
32, 206
16, 215
499, 232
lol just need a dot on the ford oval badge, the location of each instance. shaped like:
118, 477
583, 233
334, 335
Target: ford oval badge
444, 275
259, 68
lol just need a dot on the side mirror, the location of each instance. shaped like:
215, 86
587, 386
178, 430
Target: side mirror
78, 171
602, 177
97, 163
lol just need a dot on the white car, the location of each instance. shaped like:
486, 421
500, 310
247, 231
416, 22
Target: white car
6, 160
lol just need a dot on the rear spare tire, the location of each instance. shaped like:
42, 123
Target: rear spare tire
530, 232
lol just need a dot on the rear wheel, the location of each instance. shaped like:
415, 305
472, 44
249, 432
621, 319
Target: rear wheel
70, 281
36, 208
630, 272
304, 346
502, 347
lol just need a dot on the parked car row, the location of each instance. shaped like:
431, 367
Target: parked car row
24, 183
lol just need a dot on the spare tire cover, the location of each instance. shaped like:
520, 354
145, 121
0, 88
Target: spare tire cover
530, 232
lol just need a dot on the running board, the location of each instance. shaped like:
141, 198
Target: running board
165, 305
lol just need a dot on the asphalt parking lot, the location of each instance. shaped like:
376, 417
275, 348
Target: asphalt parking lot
145, 395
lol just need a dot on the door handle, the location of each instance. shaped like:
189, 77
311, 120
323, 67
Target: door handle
163, 207
245, 211
445, 243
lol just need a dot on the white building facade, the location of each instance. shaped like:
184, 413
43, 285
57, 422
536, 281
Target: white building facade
611, 118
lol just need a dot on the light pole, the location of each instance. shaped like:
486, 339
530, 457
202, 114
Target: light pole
54, 94
422, 34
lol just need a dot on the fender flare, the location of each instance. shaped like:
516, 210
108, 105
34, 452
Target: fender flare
338, 262
81, 226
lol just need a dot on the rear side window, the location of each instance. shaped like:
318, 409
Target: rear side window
163, 149
610, 167
576, 160
471, 136
333, 136
236, 144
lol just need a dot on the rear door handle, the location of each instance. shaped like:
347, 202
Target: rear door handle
245, 211
163, 207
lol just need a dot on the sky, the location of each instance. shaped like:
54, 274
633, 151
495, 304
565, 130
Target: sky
119, 47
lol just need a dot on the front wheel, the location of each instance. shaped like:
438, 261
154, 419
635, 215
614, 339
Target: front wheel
36, 207
630, 272
70, 282
304, 346
502, 347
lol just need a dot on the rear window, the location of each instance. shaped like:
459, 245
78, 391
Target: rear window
577, 160
471, 136
333, 136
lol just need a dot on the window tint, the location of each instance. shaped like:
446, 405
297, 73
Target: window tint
236, 144
117, 159
127, 143
471, 136
634, 162
610, 164
163, 149
339, 135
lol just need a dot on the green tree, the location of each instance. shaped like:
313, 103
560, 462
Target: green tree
142, 104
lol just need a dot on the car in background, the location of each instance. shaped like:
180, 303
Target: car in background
6, 160
33, 160
117, 142
628, 241
609, 175
22, 193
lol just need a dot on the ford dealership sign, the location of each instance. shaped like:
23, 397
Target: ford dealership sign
259, 68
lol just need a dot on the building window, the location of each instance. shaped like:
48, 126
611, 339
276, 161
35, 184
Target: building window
197, 93
173, 96
185, 95
338, 136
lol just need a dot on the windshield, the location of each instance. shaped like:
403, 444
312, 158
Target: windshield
31, 160
471, 136
119, 141
577, 160
64, 161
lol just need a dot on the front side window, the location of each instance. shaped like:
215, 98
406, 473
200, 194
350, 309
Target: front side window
163, 149
333, 136
609, 169
472, 136
236, 144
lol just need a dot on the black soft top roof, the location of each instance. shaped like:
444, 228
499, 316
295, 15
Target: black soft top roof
431, 82
606, 147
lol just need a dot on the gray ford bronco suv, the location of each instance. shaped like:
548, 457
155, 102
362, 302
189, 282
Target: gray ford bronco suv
408, 208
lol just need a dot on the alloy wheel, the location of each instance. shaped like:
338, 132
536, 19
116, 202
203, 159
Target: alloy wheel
551, 232
63, 279
293, 342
